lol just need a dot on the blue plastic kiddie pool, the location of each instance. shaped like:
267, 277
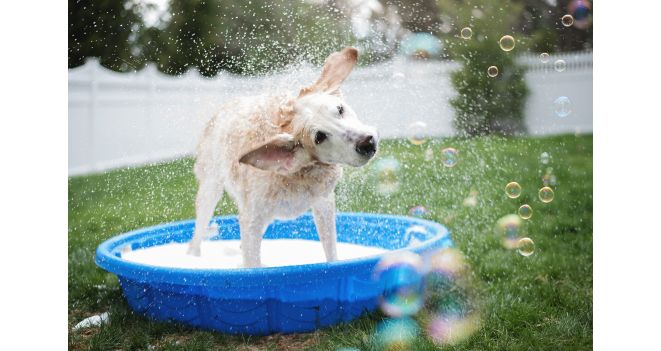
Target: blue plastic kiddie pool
268, 300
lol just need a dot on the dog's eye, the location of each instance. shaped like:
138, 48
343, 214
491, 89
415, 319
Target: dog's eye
340, 109
320, 137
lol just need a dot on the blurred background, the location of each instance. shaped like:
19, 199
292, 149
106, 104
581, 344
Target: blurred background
144, 76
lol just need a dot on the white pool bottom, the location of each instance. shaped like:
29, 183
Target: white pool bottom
227, 254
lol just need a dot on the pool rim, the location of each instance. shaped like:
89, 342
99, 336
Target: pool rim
250, 277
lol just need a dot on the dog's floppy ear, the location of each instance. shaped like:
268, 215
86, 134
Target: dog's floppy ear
277, 155
336, 69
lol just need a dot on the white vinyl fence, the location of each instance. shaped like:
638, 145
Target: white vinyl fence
122, 119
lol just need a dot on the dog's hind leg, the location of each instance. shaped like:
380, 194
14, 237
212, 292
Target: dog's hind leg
208, 195
324, 219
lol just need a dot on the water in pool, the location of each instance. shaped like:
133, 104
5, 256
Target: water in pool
227, 254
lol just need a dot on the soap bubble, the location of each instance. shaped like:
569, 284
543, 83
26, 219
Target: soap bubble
449, 157
448, 262
507, 43
567, 20
546, 194
562, 106
401, 276
559, 65
398, 76
414, 235
451, 328
419, 211
580, 10
387, 175
549, 179
466, 33
471, 200
508, 229
429, 154
492, 71
418, 133
525, 211
452, 314
513, 190
396, 334
544, 158
544, 57
525, 247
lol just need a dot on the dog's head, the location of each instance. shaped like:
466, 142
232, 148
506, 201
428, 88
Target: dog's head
318, 125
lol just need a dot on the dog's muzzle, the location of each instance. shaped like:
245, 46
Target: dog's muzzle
366, 146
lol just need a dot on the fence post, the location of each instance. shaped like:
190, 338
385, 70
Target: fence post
93, 64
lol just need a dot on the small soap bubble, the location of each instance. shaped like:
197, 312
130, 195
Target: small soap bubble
386, 174
567, 20
398, 76
525, 247
418, 133
492, 71
466, 33
513, 190
471, 200
562, 106
448, 262
449, 157
544, 158
419, 211
508, 229
546, 194
559, 65
507, 43
525, 211
544, 57
429, 154
396, 334
451, 328
401, 276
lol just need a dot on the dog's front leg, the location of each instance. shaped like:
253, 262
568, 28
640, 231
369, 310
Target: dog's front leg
252, 230
324, 219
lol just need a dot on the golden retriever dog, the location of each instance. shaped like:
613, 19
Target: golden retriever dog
280, 155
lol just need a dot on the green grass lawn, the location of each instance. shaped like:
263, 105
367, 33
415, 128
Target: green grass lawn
540, 302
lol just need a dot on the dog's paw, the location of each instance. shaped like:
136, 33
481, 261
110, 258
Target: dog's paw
194, 251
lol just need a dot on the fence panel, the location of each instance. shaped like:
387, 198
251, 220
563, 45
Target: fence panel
123, 119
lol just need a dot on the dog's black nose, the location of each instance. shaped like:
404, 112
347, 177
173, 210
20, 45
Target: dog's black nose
366, 146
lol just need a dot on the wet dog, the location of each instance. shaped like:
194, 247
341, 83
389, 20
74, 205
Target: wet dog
280, 155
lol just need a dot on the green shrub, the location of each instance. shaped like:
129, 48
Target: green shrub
486, 105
